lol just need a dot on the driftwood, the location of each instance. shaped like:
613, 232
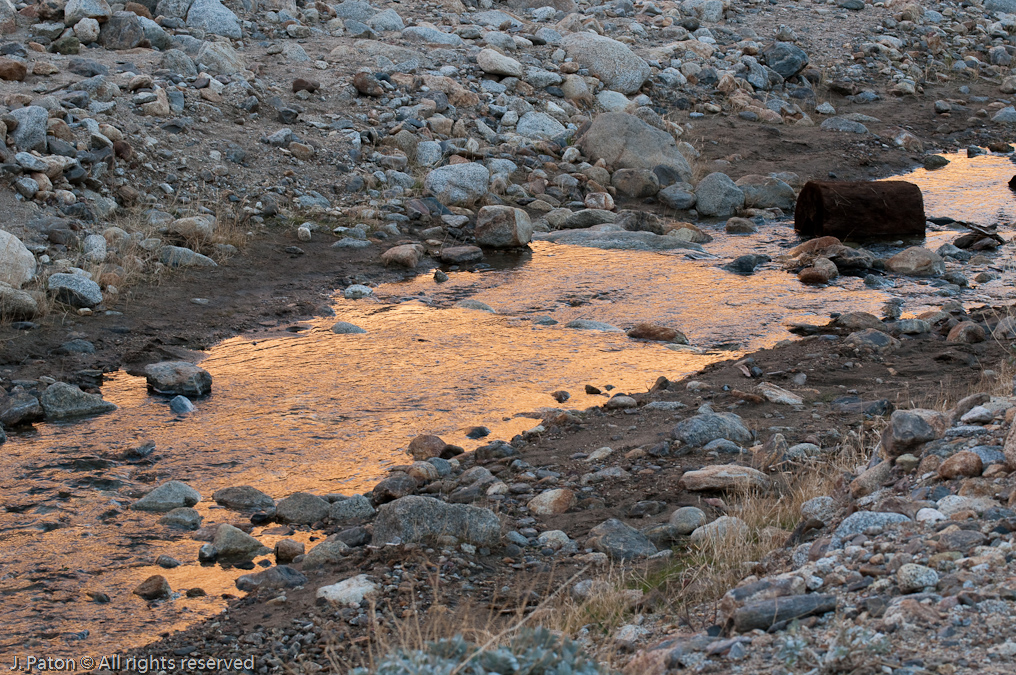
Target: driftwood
763, 614
857, 210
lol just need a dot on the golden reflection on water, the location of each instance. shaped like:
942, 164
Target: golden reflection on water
323, 413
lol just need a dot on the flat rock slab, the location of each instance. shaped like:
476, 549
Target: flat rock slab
724, 477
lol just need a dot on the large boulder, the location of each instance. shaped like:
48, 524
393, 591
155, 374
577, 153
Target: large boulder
62, 401
917, 261
717, 195
123, 30
178, 378
608, 60
539, 125
21, 408
701, 429
503, 227
8, 17
220, 58
458, 184
232, 543
764, 192
619, 541
168, 496
215, 18
624, 141
75, 290
785, 58
909, 429
30, 134
301, 508
17, 264
243, 498
275, 578
76, 10
415, 519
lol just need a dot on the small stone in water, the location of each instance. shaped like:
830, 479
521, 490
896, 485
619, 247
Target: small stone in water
181, 405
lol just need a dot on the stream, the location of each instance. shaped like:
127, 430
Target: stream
309, 410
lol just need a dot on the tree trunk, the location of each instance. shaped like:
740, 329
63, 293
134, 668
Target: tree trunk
858, 210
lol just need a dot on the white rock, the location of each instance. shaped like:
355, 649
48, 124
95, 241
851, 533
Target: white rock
348, 592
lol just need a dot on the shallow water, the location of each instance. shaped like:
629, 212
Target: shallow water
327, 413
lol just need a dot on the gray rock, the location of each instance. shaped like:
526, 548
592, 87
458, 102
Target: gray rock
122, 31
301, 508
177, 61
329, 552
173, 8
213, 17
168, 496
355, 509
763, 192
620, 541
785, 58
243, 498
275, 578
235, 544
388, 20
428, 153
609, 60
821, 508
624, 141
418, 519
30, 133
94, 248
17, 264
181, 405
346, 328
220, 58
155, 34
1006, 115
76, 10
687, 519
858, 522
679, 196
913, 578
62, 401
717, 195
178, 256
699, 430
844, 125
18, 409
431, 35
178, 377
182, 518
539, 125
458, 184
357, 10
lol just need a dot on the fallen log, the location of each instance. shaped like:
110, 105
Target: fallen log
858, 210
763, 614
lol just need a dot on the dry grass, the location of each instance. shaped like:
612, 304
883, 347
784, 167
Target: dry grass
685, 588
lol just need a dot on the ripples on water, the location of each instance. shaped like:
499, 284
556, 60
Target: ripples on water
326, 413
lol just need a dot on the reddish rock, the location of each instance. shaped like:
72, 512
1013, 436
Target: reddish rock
154, 588
822, 271
966, 332
963, 463
814, 245
305, 84
552, 502
652, 331
368, 85
424, 447
12, 70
